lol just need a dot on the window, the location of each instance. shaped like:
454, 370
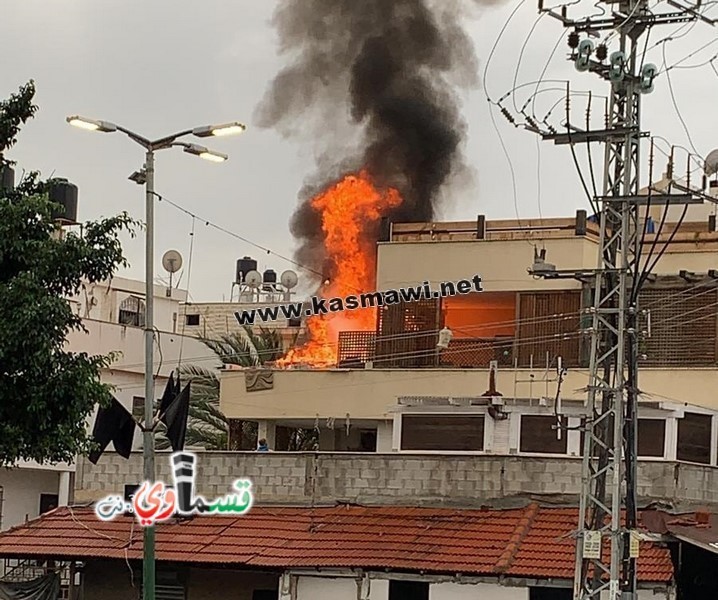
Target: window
138, 407
547, 593
694, 438
538, 435
191, 320
132, 312
651, 437
294, 322
442, 432
48, 502
408, 590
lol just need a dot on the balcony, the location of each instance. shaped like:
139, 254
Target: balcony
310, 478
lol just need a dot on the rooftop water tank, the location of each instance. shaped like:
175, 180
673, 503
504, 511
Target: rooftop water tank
269, 279
244, 266
64, 193
7, 178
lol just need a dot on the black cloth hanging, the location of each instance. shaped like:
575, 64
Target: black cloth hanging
175, 418
172, 390
46, 587
113, 424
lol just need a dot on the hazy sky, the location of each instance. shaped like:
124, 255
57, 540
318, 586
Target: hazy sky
164, 65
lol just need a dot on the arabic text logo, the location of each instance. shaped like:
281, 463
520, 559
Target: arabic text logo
155, 502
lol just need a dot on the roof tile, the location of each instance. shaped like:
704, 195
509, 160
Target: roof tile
531, 542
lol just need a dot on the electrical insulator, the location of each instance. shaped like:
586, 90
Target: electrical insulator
583, 59
508, 115
601, 52
617, 71
573, 39
648, 74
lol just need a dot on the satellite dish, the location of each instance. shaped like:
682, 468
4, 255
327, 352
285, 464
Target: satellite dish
253, 279
288, 279
172, 261
711, 166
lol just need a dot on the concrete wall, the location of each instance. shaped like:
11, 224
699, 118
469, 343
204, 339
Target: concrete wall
300, 478
101, 301
217, 319
478, 591
329, 588
21, 489
103, 338
370, 393
502, 264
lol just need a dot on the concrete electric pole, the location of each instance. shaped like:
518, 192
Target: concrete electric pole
610, 433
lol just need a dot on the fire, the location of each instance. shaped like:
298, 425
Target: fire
347, 209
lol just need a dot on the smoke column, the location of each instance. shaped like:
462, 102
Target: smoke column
394, 68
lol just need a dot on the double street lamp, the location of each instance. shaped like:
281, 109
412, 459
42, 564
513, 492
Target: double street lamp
147, 177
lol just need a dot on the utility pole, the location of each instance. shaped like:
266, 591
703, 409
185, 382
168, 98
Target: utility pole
147, 177
610, 433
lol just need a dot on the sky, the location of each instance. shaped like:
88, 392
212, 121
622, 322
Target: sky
167, 65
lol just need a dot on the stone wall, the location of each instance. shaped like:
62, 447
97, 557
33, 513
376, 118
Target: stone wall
416, 479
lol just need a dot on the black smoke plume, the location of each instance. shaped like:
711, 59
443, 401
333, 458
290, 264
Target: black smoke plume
394, 68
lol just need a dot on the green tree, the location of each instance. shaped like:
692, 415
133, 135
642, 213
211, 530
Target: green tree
207, 427
46, 393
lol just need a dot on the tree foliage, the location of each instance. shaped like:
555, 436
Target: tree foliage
207, 427
46, 392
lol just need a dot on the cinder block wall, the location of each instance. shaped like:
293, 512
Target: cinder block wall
417, 479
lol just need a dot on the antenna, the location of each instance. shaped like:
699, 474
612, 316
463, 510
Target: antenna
289, 280
253, 279
171, 262
711, 164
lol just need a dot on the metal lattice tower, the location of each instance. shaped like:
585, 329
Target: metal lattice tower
607, 510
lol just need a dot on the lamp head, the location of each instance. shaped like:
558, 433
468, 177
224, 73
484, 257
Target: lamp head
91, 124
226, 129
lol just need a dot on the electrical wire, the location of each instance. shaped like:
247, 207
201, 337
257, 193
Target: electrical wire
241, 238
663, 302
521, 54
398, 379
189, 281
675, 103
543, 72
512, 172
493, 49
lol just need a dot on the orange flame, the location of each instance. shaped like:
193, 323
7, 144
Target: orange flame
346, 209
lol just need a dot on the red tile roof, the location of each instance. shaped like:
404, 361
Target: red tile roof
529, 542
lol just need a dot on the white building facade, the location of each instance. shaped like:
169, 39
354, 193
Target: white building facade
113, 315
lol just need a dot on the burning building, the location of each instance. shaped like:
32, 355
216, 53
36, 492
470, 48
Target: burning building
395, 68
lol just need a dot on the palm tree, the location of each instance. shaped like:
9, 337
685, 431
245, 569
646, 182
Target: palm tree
207, 427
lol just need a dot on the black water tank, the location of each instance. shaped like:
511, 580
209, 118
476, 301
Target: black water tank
7, 178
244, 266
268, 279
64, 193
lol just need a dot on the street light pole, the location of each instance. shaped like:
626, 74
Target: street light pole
148, 437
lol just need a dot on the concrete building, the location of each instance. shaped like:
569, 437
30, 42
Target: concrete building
112, 314
250, 289
523, 324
